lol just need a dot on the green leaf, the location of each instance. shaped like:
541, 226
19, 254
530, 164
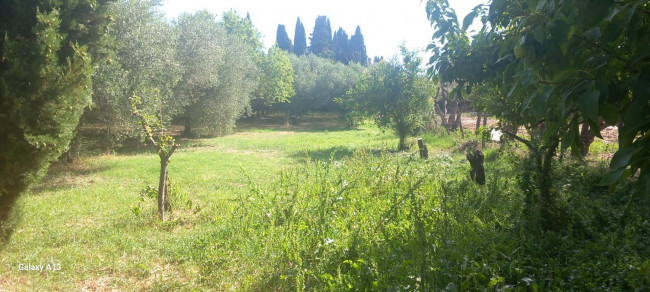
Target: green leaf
539, 103
564, 75
609, 112
467, 21
494, 281
560, 30
589, 104
527, 76
612, 177
598, 11
327, 276
594, 128
512, 90
539, 33
507, 56
527, 101
622, 158
643, 184
613, 30
568, 138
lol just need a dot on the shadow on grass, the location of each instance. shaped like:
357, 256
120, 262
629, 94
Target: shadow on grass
313, 122
133, 146
64, 175
9, 223
335, 153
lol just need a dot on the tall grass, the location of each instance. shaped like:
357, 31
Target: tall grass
279, 209
366, 222
389, 222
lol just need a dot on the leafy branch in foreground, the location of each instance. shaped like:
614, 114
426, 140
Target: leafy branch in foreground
154, 131
556, 70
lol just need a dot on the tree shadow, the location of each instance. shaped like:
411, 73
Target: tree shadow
64, 175
9, 220
313, 122
334, 153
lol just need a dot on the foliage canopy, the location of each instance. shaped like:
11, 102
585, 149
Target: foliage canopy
45, 84
558, 66
395, 94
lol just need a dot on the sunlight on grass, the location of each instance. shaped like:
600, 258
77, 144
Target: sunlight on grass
293, 208
80, 216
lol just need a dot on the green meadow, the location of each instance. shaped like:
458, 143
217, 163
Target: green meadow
315, 207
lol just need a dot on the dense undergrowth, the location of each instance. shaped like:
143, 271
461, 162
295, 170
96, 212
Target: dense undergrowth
389, 222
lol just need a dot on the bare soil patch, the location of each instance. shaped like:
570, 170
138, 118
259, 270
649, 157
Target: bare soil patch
610, 134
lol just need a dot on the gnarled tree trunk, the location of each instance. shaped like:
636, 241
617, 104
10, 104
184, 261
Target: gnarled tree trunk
478, 170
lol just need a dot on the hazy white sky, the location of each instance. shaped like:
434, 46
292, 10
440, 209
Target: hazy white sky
384, 23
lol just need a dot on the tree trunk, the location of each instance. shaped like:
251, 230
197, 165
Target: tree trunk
478, 122
451, 122
162, 186
187, 132
620, 126
586, 138
445, 110
424, 152
402, 143
545, 184
443, 119
459, 121
484, 125
287, 116
478, 170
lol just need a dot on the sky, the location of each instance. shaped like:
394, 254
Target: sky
385, 24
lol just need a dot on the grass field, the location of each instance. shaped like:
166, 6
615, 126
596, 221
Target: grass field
80, 216
315, 206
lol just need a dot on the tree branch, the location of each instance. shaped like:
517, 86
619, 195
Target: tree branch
173, 149
145, 127
520, 139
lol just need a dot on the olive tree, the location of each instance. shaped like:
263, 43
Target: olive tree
141, 63
134, 91
276, 81
319, 82
395, 94
217, 81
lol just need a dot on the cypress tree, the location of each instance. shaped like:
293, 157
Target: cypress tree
341, 46
358, 48
299, 39
321, 38
282, 39
46, 50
